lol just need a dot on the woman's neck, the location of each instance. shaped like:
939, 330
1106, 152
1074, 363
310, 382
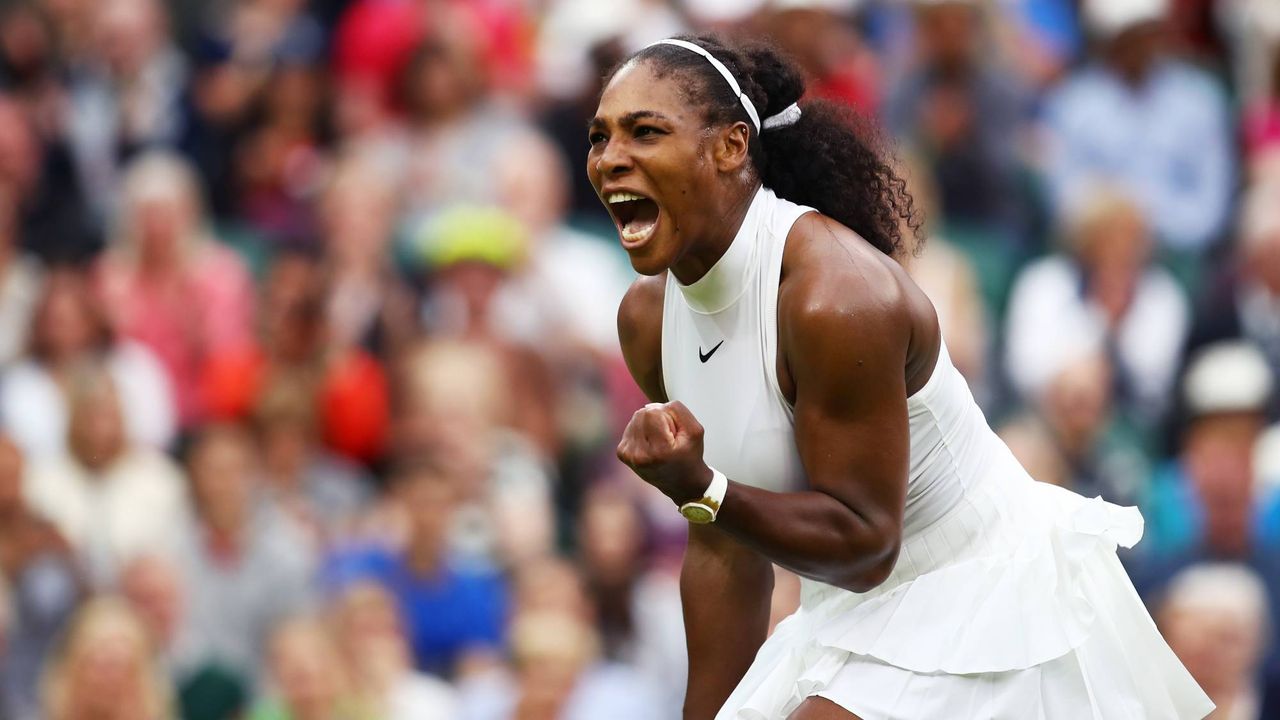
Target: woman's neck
704, 252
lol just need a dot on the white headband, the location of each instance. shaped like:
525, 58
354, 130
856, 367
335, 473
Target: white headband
789, 114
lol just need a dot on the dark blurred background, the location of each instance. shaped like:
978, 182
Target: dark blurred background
309, 384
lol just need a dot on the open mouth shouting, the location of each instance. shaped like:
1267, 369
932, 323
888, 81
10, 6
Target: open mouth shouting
635, 215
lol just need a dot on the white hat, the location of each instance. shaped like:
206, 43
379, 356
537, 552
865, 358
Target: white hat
835, 6
1110, 17
1229, 376
721, 11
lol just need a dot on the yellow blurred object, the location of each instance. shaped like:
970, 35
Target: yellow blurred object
468, 233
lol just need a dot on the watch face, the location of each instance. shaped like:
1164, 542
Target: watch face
698, 514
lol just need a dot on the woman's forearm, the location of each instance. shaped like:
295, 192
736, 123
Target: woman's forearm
725, 589
812, 534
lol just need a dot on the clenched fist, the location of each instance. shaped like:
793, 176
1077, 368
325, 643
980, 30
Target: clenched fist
663, 445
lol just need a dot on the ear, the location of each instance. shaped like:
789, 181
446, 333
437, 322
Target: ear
729, 149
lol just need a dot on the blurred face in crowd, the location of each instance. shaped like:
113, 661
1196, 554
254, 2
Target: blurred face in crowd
26, 43
96, 433
129, 32
1133, 51
1114, 247
10, 476
292, 312
1219, 645
429, 499
163, 221
551, 650
106, 670
153, 588
444, 79
65, 324
551, 585
295, 95
1218, 455
612, 538
948, 34
307, 670
221, 478
372, 634
648, 140
1077, 402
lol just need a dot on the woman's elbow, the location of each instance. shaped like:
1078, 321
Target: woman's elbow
871, 575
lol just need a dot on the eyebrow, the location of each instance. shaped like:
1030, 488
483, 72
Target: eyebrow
632, 118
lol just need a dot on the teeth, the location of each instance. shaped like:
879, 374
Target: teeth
623, 197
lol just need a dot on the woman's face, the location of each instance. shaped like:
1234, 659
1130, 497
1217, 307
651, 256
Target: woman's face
107, 661
649, 161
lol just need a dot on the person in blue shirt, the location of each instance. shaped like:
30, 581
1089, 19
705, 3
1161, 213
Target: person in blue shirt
1208, 505
455, 609
1141, 118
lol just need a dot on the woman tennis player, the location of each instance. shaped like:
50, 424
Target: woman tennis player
805, 413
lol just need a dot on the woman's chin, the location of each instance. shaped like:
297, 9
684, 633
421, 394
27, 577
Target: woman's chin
649, 258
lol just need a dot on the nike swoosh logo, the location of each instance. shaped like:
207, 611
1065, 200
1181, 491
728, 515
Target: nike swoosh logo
710, 352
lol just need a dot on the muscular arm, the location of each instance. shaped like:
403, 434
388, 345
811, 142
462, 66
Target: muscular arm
845, 332
724, 586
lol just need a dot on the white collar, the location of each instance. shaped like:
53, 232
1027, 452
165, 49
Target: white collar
727, 279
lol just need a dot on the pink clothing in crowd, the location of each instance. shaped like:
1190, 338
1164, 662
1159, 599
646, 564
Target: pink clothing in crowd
184, 315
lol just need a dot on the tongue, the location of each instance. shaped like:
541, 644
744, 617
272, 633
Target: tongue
646, 216
639, 226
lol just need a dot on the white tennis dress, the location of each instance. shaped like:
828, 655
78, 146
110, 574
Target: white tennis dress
1007, 600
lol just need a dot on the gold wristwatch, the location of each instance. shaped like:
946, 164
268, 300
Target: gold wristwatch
704, 510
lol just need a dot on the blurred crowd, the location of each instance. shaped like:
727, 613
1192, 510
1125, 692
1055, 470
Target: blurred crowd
309, 381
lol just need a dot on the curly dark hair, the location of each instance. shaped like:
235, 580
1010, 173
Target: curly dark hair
830, 159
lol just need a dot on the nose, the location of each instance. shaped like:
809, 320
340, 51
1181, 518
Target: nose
614, 159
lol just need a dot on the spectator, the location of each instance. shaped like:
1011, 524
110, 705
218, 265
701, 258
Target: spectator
346, 384
69, 329
557, 670
1244, 300
573, 280
962, 113
372, 637
455, 610
283, 157
42, 205
1141, 118
44, 585
1208, 503
322, 491
1215, 617
245, 567
167, 283
1100, 452
473, 254
308, 676
105, 670
127, 98
93, 491
820, 36
1105, 293
458, 138
367, 304
461, 404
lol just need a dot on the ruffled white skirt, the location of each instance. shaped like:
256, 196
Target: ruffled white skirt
1012, 605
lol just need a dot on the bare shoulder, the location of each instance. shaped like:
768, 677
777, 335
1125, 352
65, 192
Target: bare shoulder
640, 333
843, 299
